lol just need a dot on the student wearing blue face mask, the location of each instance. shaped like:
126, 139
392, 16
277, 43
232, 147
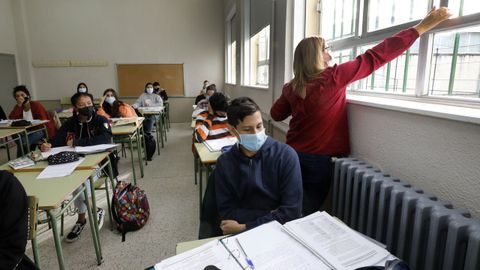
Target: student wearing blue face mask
259, 179
111, 106
148, 99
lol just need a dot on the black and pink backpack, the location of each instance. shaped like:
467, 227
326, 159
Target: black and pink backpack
130, 208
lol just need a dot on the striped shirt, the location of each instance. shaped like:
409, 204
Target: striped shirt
210, 126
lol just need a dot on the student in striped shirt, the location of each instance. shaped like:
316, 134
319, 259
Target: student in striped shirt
213, 124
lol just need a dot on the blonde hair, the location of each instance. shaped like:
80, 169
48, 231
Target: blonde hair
307, 63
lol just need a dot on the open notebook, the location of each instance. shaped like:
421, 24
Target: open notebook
216, 145
317, 241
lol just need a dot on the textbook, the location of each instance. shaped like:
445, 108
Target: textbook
80, 149
22, 162
216, 145
317, 241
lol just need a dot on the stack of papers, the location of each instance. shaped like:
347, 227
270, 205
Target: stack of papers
151, 109
124, 121
22, 162
217, 144
316, 242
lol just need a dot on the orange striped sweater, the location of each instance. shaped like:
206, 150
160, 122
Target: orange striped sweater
210, 126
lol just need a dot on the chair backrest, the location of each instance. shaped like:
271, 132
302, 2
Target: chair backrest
53, 116
65, 102
32, 217
209, 217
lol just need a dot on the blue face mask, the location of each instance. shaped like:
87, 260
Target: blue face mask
253, 142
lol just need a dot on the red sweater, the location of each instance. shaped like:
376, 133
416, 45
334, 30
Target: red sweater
319, 122
38, 112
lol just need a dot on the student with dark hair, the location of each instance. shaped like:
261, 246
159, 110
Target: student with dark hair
82, 88
148, 99
316, 100
157, 89
213, 124
259, 179
28, 109
84, 128
13, 221
208, 91
112, 107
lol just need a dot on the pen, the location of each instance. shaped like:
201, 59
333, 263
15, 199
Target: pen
249, 262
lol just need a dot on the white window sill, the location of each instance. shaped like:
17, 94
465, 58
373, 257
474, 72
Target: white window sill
255, 87
457, 113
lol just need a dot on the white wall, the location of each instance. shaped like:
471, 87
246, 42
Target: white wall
7, 33
121, 31
439, 156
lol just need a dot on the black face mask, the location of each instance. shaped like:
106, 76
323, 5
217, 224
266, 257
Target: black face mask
87, 111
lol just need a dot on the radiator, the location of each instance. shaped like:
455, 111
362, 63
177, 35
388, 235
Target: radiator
415, 226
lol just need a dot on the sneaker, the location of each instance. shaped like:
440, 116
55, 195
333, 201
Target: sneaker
76, 231
100, 217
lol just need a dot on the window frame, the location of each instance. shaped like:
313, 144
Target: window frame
363, 37
230, 78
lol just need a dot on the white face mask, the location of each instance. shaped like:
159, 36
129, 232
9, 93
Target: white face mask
82, 90
149, 90
110, 100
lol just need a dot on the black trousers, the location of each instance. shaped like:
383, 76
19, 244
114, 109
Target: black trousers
317, 178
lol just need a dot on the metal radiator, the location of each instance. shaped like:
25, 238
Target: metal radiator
426, 233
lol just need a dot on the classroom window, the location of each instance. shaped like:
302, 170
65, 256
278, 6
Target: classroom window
446, 65
455, 63
386, 13
232, 51
257, 49
259, 57
338, 19
398, 76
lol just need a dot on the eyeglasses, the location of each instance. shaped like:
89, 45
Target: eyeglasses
327, 48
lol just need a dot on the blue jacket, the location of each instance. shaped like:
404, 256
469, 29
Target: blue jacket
257, 190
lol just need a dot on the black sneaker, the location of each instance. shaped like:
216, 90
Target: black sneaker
76, 231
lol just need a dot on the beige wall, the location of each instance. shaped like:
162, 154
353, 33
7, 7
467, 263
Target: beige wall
119, 31
7, 33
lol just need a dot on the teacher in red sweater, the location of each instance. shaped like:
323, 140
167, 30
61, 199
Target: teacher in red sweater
316, 100
29, 110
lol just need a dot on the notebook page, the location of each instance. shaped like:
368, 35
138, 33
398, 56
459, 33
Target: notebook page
332, 240
269, 247
217, 144
211, 253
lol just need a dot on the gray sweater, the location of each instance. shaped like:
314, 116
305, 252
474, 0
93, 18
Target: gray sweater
148, 100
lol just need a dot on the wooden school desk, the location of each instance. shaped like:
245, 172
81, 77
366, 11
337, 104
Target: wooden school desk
29, 129
160, 129
207, 160
132, 132
51, 194
5, 133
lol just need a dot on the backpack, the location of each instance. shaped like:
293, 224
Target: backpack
130, 208
150, 146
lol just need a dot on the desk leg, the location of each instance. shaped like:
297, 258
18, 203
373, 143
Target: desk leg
143, 144
92, 219
110, 176
164, 126
36, 257
21, 147
195, 168
200, 188
130, 145
27, 142
161, 129
56, 239
139, 152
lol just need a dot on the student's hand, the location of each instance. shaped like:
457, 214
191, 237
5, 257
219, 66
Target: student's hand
44, 147
26, 106
231, 227
433, 18
70, 142
102, 100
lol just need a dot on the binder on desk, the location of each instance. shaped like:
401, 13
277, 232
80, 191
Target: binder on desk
317, 241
